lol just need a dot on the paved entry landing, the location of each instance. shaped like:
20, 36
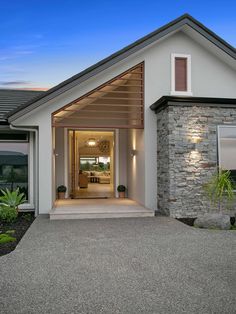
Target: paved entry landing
98, 208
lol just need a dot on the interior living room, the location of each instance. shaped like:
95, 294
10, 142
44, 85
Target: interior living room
91, 164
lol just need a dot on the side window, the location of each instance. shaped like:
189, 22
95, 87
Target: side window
14, 151
181, 74
227, 149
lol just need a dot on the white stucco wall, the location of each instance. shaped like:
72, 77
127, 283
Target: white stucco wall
211, 77
59, 157
136, 166
122, 157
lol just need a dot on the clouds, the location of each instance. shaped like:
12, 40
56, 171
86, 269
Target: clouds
15, 83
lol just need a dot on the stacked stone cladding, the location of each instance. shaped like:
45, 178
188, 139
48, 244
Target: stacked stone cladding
183, 166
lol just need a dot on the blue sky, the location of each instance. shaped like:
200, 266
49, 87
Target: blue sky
44, 42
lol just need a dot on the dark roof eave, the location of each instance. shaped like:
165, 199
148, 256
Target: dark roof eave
4, 123
164, 101
123, 53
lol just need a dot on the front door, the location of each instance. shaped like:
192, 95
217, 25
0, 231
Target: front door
91, 164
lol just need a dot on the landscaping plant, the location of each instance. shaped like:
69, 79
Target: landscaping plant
6, 238
8, 214
220, 188
12, 199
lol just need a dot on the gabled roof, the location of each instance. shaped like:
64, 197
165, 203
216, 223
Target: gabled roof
77, 79
12, 99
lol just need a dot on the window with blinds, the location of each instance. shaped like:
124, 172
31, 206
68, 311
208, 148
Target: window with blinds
181, 74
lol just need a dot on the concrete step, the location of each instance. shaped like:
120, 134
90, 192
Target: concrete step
61, 215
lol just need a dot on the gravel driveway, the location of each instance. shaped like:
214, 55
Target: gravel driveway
134, 265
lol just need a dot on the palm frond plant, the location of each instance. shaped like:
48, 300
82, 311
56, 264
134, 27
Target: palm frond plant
12, 199
220, 189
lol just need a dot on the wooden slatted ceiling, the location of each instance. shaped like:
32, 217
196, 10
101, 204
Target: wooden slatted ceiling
115, 104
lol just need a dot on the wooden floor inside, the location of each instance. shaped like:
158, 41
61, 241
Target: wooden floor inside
98, 208
96, 190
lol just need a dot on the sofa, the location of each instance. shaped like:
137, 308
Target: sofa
102, 177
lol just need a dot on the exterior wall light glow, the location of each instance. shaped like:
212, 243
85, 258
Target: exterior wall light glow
133, 152
196, 139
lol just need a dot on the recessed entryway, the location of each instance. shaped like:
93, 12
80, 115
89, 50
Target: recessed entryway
91, 164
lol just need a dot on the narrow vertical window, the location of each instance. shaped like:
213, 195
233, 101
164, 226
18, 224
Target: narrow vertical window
181, 74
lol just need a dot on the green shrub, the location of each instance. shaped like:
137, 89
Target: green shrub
220, 188
61, 189
8, 214
121, 188
10, 231
27, 217
6, 238
12, 199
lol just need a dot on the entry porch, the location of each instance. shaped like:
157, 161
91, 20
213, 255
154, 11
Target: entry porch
98, 208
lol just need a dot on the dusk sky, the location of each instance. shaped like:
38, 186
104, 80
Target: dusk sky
45, 42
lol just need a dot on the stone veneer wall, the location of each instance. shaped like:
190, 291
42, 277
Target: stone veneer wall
182, 166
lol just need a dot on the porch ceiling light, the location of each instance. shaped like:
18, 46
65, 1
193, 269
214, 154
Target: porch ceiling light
91, 142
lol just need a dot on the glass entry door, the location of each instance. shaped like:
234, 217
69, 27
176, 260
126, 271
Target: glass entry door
91, 164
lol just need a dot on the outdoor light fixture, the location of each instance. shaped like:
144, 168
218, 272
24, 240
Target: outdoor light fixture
91, 142
133, 152
196, 139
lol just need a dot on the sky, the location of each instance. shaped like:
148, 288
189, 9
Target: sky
45, 42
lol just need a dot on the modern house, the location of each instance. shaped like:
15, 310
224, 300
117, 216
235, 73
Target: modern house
158, 116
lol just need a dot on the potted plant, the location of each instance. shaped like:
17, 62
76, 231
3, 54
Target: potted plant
121, 190
61, 191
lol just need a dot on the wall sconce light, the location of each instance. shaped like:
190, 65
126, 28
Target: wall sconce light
196, 139
133, 152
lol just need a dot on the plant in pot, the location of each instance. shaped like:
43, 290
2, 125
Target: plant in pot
220, 191
121, 190
61, 191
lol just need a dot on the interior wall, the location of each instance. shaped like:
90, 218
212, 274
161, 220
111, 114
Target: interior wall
136, 166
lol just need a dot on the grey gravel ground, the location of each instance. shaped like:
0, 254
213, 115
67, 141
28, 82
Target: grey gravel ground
142, 265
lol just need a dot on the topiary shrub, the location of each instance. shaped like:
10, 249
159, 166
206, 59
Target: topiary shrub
61, 189
121, 188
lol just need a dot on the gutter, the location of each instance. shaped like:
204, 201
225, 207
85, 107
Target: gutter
165, 101
36, 194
